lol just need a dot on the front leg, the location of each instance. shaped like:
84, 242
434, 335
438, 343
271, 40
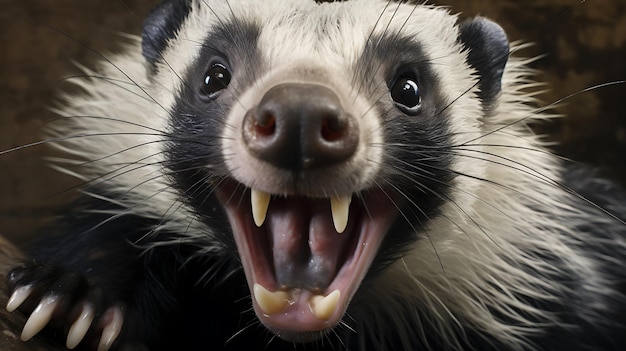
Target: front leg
89, 286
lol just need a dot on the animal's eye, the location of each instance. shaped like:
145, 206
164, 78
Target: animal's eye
406, 94
216, 79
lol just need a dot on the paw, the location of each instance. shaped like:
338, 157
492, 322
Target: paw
65, 302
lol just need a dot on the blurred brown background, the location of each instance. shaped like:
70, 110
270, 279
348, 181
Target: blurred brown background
584, 45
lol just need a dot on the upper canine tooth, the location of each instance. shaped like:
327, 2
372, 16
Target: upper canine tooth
340, 209
260, 202
324, 307
270, 302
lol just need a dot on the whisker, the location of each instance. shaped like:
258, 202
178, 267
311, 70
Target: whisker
107, 60
544, 109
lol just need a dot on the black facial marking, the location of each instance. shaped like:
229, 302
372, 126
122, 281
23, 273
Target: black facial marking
161, 25
397, 77
211, 86
488, 53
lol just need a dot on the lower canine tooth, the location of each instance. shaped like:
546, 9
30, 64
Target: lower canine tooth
340, 209
324, 307
270, 302
260, 201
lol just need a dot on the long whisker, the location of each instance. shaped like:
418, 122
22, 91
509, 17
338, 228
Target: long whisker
107, 60
543, 109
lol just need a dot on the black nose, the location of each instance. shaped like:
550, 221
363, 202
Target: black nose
300, 127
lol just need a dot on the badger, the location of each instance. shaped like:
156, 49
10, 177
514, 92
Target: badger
308, 175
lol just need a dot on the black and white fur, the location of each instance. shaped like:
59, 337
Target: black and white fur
492, 242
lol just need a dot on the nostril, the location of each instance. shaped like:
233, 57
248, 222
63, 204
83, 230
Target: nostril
265, 124
332, 129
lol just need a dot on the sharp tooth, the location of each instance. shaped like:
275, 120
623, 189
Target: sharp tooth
324, 307
40, 317
270, 302
340, 208
260, 202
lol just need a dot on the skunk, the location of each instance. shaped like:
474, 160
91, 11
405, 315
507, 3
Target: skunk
302, 175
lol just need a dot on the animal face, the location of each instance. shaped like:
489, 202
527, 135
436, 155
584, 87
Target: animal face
324, 131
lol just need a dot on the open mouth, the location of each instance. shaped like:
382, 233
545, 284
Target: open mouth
304, 258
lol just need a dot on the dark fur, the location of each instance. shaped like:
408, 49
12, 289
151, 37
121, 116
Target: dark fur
175, 299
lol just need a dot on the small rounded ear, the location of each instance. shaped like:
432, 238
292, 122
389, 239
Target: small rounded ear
160, 26
488, 52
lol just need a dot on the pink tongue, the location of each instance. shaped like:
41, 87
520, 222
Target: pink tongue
305, 245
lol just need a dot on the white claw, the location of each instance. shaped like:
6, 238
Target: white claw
40, 317
340, 209
270, 302
79, 328
324, 307
260, 202
18, 297
112, 330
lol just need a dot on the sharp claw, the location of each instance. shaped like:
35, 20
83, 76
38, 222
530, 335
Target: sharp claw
18, 297
79, 328
40, 317
112, 329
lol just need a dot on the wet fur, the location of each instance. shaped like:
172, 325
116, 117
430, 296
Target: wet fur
523, 251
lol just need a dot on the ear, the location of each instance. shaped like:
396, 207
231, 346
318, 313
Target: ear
160, 26
488, 53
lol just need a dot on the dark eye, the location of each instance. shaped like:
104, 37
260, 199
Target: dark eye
216, 79
406, 94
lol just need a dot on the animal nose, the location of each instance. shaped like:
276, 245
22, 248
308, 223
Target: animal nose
299, 126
